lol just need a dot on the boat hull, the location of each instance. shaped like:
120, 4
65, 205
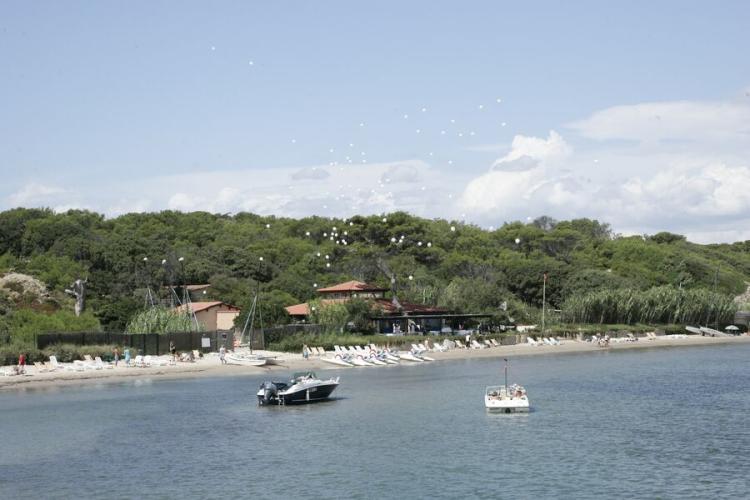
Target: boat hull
242, 361
303, 395
507, 409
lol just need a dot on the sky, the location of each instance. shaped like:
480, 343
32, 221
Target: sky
635, 113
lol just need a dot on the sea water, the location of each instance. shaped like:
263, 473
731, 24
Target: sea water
653, 423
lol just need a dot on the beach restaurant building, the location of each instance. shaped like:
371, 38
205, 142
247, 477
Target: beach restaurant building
388, 315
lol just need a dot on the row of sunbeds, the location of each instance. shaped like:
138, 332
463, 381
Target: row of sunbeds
541, 341
96, 363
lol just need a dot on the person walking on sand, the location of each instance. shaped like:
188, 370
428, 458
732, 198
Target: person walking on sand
21, 368
127, 356
222, 354
305, 351
172, 350
116, 353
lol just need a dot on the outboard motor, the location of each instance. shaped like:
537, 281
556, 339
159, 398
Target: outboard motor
270, 392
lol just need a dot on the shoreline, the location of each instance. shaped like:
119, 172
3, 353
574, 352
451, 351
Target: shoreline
210, 366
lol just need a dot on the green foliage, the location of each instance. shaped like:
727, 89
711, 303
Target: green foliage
656, 305
271, 308
469, 269
25, 323
162, 320
332, 316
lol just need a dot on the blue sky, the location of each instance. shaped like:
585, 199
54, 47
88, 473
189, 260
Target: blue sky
636, 113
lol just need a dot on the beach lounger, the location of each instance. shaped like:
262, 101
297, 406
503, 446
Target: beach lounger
56, 365
531, 341
488, 343
89, 363
101, 363
494, 343
39, 367
476, 345
460, 344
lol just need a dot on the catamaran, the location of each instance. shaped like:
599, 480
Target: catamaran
506, 398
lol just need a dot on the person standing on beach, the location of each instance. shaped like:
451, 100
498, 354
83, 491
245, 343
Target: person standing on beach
21, 368
222, 354
305, 351
116, 353
127, 356
172, 350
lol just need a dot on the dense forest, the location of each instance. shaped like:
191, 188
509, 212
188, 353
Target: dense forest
593, 275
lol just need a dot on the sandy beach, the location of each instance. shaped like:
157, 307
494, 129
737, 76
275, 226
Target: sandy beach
210, 366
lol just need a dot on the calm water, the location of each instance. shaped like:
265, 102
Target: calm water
660, 423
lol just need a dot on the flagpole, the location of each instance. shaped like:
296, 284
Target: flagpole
544, 299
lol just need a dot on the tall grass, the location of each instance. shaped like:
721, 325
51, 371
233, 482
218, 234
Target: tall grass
662, 304
162, 320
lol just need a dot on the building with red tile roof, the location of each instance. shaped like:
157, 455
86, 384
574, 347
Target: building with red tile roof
214, 315
386, 313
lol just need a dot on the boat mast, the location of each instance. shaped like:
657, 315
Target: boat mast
506, 373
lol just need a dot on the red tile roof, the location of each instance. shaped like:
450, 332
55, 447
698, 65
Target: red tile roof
203, 306
352, 286
383, 304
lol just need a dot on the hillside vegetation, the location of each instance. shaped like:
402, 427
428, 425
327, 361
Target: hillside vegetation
459, 266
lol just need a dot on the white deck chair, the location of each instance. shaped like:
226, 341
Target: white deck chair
488, 343
101, 363
531, 341
460, 344
494, 343
476, 345
89, 363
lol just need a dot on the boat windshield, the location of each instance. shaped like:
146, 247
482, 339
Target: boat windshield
300, 375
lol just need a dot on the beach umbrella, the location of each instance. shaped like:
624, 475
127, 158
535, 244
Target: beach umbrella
731, 328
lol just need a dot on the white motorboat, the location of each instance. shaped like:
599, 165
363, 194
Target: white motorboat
506, 398
305, 387
237, 359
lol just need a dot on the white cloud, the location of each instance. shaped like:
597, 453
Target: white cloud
401, 172
35, 194
681, 121
523, 181
526, 149
310, 173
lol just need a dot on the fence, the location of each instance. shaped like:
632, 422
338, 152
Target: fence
147, 343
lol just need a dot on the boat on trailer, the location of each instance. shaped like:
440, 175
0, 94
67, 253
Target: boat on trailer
304, 387
506, 398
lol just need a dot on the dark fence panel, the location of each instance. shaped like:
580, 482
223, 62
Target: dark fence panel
276, 333
147, 343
